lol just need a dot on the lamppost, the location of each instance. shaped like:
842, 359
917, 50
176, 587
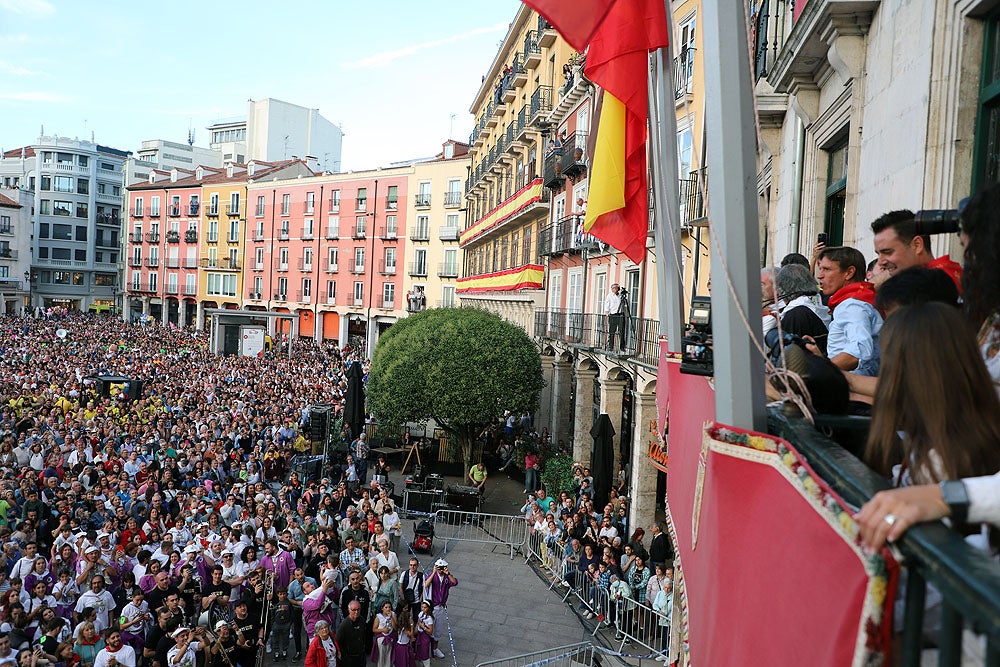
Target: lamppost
27, 281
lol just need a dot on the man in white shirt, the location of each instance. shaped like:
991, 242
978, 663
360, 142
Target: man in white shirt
99, 599
115, 652
616, 321
25, 564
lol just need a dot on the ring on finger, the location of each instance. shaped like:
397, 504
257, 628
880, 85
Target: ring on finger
890, 519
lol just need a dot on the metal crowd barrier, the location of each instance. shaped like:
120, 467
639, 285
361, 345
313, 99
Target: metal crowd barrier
503, 530
573, 655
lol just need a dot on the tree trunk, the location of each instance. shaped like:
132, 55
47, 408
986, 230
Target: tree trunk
466, 443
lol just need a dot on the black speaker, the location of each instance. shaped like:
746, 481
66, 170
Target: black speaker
319, 422
420, 501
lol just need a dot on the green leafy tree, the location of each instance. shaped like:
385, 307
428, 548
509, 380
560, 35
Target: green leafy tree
461, 367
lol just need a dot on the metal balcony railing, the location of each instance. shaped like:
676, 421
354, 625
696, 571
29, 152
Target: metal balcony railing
448, 234
154, 212
592, 331
329, 267
233, 211
684, 73
541, 103
418, 268
213, 211
170, 289
174, 211
966, 579
391, 203
173, 237
692, 191
773, 24
388, 233
332, 233
193, 209
190, 236
420, 233
304, 265
152, 237
135, 261
574, 155
452, 198
354, 266
361, 204
422, 200
307, 234
447, 270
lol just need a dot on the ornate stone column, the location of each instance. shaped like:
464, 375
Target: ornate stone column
583, 415
545, 400
199, 317
644, 475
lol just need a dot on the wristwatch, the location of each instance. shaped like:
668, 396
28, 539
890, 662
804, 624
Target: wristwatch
956, 497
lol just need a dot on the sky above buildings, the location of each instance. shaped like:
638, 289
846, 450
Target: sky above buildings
390, 72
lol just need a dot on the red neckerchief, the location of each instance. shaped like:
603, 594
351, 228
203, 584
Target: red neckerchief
862, 291
953, 269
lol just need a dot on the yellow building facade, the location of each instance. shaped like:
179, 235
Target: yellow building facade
220, 241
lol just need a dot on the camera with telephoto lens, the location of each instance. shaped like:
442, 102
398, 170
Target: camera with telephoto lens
939, 221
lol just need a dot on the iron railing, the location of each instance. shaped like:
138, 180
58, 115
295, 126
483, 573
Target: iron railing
541, 102
684, 73
693, 191
593, 331
772, 25
967, 579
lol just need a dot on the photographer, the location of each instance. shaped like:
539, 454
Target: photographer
899, 247
436, 590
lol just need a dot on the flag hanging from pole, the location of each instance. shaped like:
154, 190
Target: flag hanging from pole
618, 36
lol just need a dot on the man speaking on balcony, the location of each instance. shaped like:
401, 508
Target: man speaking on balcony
613, 309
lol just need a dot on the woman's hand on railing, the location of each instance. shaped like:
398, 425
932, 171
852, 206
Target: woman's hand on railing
889, 513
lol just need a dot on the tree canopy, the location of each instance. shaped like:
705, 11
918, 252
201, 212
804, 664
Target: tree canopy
461, 367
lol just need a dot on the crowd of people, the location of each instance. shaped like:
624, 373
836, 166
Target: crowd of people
914, 342
168, 527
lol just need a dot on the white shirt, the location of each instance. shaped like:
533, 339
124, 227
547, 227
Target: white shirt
612, 302
103, 603
125, 656
390, 561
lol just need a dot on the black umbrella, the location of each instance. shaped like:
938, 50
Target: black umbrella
601, 458
354, 407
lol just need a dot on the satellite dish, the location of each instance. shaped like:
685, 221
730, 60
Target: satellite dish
61, 333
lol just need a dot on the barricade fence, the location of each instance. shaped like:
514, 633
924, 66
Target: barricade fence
503, 530
573, 655
632, 622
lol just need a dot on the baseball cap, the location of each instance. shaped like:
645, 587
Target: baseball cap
440, 562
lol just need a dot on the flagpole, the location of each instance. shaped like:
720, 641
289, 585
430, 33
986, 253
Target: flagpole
666, 204
739, 369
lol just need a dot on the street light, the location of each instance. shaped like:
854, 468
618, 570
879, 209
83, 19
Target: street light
27, 280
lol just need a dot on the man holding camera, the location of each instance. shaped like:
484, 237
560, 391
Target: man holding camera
899, 247
436, 590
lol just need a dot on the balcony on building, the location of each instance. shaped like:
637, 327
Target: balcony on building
521, 126
283, 235
546, 33
301, 297
387, 269
491, 118
170, 289
387, 233
154, 212
532, 50
152, 262
152, 237
190, 290
253, 295
233, 211
258, 235
574, 155
108, 218
191, 236
331, 300
332, 232
391, 203
422, 200
693, 192
540, 104
359, 232
141, 287
135, 237
447, 270
361, 204
212, 211
174, 211
591, 332
172, 263
519, 73
213, 237
418, 269
8, 253
357, 302
173, 237
388, 303
138, 212
452, 199
354, 266
329, 267
307, 233
684, 75
230, 264
305, 266
210, 263
135, 261
190, 263
552, 176
193, 209
258, 266
282, 267
448, 234
280, 296
420, 233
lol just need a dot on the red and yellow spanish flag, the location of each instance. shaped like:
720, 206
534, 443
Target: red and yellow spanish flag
618, 36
